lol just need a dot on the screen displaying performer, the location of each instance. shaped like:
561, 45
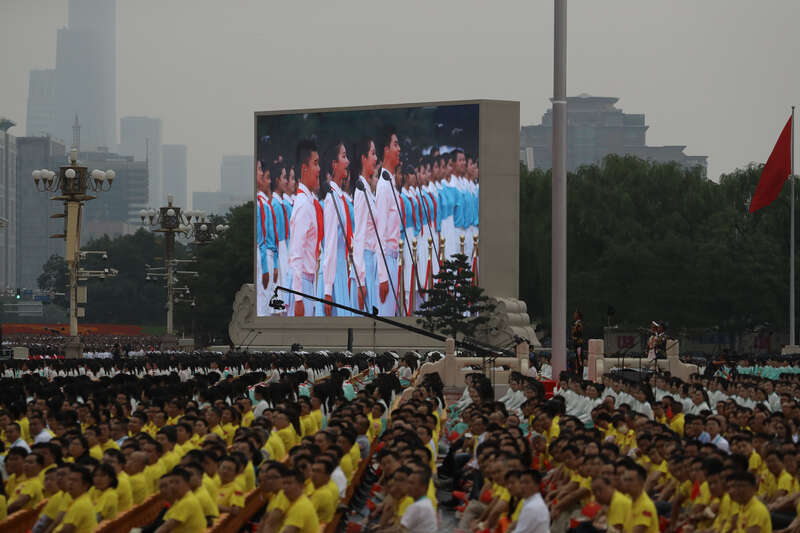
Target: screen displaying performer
360, 207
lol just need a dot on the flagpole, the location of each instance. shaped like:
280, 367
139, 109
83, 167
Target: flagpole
791, 247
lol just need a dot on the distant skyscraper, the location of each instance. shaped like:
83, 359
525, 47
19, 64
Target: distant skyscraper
8, 204
174, 174
140, 137
237, 176
86, 74
115, 212
41, 117
34, 226
596, 128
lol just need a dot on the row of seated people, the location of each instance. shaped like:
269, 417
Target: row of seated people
613, 458
222, 451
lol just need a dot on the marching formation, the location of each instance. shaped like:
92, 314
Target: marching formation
360, 225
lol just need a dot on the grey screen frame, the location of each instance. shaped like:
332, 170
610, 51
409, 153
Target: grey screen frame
498, 243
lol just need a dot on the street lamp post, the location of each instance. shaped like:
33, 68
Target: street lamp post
171, 220
73, 183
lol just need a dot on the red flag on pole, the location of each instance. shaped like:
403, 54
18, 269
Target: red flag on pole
775, 172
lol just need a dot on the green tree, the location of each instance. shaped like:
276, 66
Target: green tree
224, 265
658, 241
55, 278
454, 306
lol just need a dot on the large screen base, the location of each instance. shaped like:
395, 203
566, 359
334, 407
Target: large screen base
248, 332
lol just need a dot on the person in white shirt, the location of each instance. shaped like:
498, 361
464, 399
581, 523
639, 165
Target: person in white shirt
534, 517
338, 231
365, 243
305, 232
388, 224
14, 436
420, 516
38, 431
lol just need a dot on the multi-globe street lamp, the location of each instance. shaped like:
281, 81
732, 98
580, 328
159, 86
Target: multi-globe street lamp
74, 185
171, 220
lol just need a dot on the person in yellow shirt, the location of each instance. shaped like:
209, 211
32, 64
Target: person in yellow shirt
230, 496
80, 517
248, 473
230, 422
116, 460
207, 503
678, 420
300, 516
286, 430
325, 496
15, 469
752, 515
183, 435
167, 437
104, 492
30, 492
185, 515
141, 488
92, 435
106, 442
316, 412
213, 417
776, 482
174, 410
54, 495
274, 445
643, 516
619, 505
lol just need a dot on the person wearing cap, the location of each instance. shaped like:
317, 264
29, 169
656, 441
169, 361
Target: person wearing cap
388, 223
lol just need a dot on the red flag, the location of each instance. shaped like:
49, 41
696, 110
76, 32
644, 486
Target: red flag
775, 172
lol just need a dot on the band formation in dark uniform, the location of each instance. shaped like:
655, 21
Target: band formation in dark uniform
363, 224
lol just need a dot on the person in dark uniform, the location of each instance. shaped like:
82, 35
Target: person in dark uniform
577, 344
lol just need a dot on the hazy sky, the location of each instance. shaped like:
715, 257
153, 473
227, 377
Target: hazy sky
715, 75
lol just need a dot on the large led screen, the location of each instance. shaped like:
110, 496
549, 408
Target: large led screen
359, 207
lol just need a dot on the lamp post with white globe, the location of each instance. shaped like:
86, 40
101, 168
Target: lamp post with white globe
171, 220
73, 185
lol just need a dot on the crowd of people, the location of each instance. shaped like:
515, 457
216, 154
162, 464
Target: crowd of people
632, 453
361, 224
51, 345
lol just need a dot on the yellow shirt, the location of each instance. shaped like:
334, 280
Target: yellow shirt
619, 510
289, 437
280, 502
105, 503
754, 513
643, 513
32, 488
3, 508
347, 467
110, 445
723, 513
247, 419
212, 485
317, 415
754, 463
209, 506
307, 426
153, 474
96, 451
14, 481
301, 515
324, 504
188, 513
677, 424
355, 455
230, 495
124, 492
54, 505
249, 477
770, 484
81, 515
230, 432
140, 488
402, 505
275, 447
704, 498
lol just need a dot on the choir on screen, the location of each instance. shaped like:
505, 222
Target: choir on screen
361, 225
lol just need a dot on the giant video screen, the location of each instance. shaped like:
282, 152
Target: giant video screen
360, 207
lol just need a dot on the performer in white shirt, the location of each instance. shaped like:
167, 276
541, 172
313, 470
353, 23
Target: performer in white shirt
305, 228
365, 244
338, 234
388, 222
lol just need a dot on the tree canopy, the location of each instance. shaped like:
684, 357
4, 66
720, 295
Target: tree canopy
658, 241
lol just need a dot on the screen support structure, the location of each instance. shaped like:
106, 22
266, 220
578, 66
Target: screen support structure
489, 352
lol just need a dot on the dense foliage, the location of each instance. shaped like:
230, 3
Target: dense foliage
656, 241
